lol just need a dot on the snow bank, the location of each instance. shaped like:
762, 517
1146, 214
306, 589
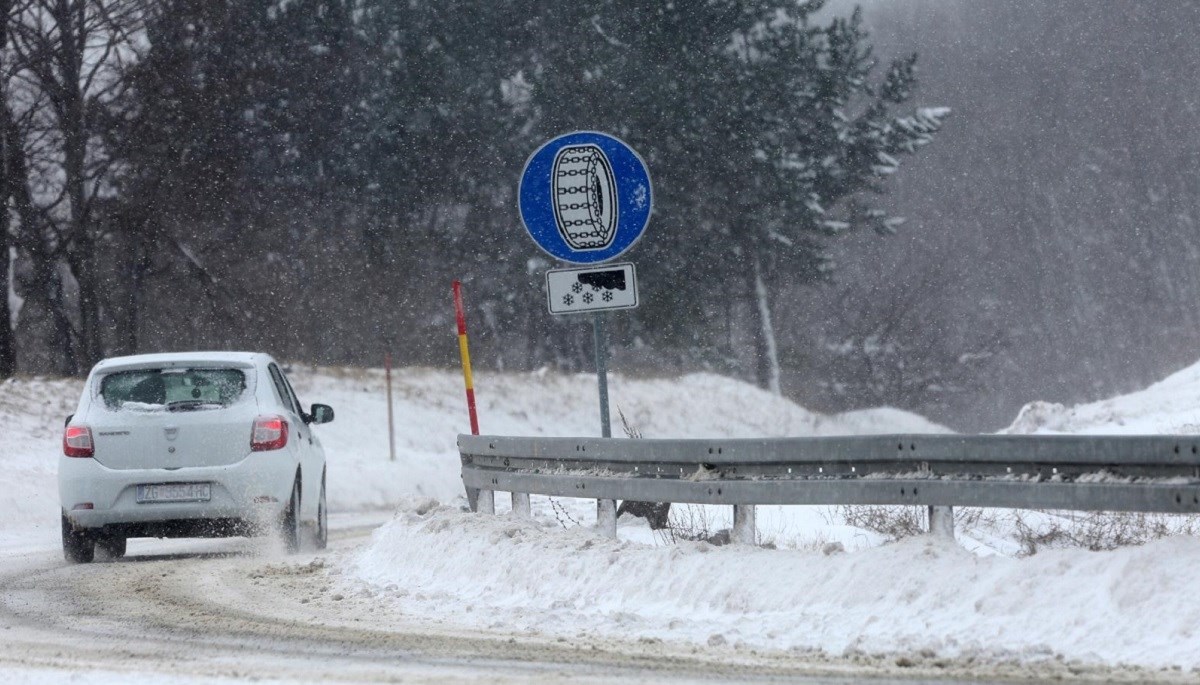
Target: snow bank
1171, 406
918, 596
32, 413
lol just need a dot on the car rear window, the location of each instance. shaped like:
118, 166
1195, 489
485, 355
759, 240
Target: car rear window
172, 389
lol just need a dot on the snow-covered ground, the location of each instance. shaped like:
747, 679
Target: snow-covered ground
32, 413
829, 588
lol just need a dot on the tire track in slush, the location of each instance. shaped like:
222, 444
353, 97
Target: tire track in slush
247, 613
251, 613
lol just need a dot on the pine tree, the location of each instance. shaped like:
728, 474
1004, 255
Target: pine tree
764, 131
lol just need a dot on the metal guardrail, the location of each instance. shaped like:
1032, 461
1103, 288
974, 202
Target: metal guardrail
1087, 473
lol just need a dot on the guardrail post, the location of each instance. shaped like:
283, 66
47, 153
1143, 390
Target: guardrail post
486, 502
941, 521
744, 531
606, 517
520, 505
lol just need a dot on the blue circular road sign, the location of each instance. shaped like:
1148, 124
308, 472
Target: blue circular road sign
585, 197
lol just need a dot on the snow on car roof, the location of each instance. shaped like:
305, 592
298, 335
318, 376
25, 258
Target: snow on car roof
182, 359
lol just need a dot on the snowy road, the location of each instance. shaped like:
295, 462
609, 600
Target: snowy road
217, 611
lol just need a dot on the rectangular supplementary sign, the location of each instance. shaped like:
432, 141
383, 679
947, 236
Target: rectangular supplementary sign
592, 288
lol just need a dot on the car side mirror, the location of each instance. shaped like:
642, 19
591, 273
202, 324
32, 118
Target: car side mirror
322, 413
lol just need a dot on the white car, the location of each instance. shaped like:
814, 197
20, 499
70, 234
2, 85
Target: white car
192, 444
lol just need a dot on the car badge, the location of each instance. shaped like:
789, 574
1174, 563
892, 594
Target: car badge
172, 432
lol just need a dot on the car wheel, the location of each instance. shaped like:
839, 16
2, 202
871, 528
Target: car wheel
322, 534
291, 521
79, 547
112, 545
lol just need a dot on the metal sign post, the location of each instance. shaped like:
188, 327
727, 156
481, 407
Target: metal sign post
597, 290
601, 336
585, 198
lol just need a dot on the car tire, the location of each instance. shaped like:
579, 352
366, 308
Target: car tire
113, 546
321, 534
290, 525
79, 547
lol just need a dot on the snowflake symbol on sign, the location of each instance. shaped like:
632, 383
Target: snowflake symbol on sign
568, 299
587, 299
607, 296
578, 287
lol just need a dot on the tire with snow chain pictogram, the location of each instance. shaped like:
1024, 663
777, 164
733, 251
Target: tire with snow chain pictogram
584, 194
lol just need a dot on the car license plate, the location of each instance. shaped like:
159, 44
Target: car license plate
174, 492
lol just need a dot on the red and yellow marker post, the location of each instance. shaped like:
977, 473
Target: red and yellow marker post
466, 356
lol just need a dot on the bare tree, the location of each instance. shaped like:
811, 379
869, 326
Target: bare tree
8, 346
70, 57
890, 343
38, 244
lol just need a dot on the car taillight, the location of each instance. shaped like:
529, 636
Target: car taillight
77, 442
270, 433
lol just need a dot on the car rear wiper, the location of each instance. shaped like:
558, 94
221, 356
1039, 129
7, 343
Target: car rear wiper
192, 405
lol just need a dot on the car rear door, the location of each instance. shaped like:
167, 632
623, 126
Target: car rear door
311, 455
154, 431
294, 415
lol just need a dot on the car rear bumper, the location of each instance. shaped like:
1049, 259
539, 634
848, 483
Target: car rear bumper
253, 490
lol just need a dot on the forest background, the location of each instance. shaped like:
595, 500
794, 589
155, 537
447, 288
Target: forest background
946, 206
